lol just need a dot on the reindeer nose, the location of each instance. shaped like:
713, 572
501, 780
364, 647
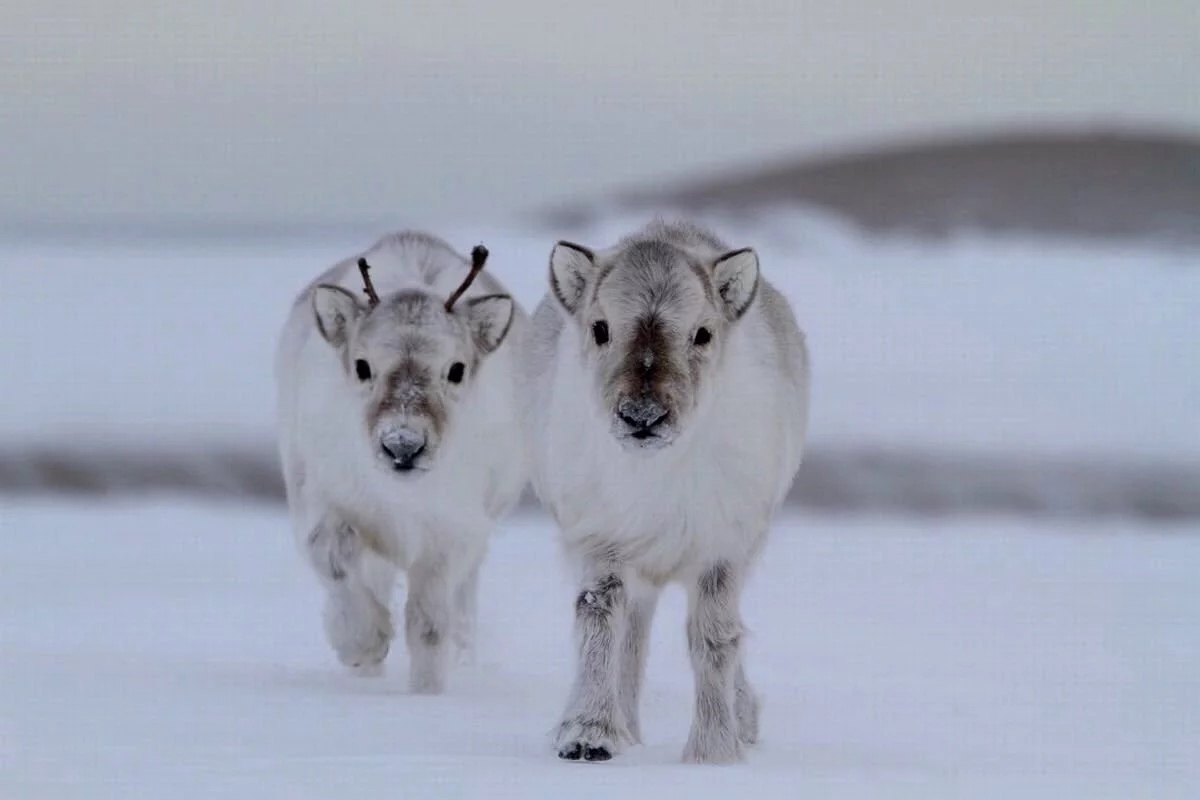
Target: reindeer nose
402, 446
642, 414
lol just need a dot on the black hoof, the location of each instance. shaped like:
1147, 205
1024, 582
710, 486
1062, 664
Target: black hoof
596, 754
584, 752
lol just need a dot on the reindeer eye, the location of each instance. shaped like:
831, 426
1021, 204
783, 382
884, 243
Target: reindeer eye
703, 337
456, 372
363, 369
600, 332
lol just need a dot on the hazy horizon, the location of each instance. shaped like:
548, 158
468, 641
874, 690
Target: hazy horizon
434, 111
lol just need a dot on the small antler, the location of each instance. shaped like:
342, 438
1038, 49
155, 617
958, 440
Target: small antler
369, 290
478, 257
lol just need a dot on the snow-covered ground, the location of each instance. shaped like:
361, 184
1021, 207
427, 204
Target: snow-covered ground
974, 346
174, 650
167, 648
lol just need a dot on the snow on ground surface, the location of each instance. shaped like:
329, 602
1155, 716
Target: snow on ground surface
978, 346
174, 650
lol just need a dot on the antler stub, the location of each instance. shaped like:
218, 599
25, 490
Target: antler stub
369, 288
479, 256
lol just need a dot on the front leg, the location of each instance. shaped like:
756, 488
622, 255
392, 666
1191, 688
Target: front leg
714, 638
358, 622
593, 728
428, 625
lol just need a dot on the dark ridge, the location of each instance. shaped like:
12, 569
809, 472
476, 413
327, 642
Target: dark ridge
1092, 184
832, 480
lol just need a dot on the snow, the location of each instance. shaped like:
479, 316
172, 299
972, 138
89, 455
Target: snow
172, 649
1009, 347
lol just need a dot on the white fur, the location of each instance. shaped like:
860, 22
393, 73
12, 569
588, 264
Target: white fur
669, 514
434, 526
708, 496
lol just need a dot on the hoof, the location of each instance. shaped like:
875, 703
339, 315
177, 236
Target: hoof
365, 658
590, 739
577, 751
367, 670
725, 755
725, 748
360, 630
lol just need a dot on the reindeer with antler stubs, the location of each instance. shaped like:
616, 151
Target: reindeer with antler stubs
399, 443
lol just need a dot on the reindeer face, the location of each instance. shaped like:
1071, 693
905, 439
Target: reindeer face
652, 321
410, 362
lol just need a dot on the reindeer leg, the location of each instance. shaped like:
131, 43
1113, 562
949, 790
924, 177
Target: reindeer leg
746, 705
642, 601
592, 728
428, 625
466, 614
714, 638
358, 622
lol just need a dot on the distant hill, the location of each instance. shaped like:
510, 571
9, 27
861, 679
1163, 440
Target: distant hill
1107, 185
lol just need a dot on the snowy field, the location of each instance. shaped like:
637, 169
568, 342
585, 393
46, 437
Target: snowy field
174, 650
161, 647
975, 346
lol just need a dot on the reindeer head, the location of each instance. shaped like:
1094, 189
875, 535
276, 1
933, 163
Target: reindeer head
652, 319
410, 358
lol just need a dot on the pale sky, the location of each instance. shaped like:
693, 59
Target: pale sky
216, 110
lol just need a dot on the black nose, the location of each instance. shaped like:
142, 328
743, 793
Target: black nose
403, 449
643, 415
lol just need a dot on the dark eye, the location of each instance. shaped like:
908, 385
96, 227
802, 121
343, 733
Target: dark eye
600, 332
363, 369
703, 337
456, 372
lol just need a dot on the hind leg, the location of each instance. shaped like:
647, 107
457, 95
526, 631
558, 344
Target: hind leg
745, 707
641, 600
358, 621
466, 614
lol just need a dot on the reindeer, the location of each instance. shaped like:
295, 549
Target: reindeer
400, 443
665, 409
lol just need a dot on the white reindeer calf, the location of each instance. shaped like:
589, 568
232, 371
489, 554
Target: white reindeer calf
666, 409
400, 443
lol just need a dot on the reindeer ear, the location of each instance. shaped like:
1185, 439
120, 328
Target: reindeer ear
489, 318
735, 275
571, 265
334, 309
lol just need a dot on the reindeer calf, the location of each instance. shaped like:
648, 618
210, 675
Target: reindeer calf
399, 443
665, 408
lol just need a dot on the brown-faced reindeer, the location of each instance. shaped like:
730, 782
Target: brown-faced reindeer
665, 406
399, 442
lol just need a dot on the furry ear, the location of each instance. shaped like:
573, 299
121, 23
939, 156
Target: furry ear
571, 265
735, 276
489, 318
334, 309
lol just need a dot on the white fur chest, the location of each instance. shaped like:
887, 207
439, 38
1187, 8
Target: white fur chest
452, 507
708, 496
